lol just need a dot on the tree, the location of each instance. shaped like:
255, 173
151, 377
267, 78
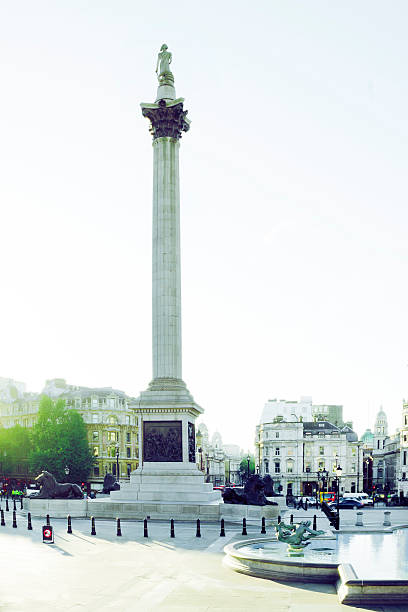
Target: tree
59, 440
243, 467
15, 447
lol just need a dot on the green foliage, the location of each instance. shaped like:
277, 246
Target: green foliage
15, 445
243, 467
59, 439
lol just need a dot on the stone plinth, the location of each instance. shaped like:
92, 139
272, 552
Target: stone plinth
159, 510
56, 508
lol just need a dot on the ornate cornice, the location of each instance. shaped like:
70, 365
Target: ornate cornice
167, 120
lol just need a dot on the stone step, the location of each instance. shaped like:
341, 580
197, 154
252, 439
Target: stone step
166, 496
169, 477
164, 486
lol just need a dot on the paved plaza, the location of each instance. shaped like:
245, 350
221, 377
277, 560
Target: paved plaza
106, 572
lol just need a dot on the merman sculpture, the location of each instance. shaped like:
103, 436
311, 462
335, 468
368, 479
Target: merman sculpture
296, 536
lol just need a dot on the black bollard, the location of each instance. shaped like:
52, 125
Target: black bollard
279, 518
314, 522
69, 526
145, 532
14, 520
14, 504
198, 531
7, 506
244, 529
222, 532
47, 520
118, 529
172, 529
263, 529
29, 525
291, 519
93, 530
3, 522
21, 502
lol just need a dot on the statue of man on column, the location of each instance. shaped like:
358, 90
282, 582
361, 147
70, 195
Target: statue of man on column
163, 65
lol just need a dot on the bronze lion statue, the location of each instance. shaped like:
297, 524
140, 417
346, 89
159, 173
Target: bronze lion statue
254, 493
51, 489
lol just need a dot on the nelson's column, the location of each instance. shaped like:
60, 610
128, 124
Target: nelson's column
168, 471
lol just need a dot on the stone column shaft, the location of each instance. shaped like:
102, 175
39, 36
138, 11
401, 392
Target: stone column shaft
166, 295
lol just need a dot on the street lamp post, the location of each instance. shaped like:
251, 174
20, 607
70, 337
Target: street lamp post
248, 460
338, 476
322, 474
117, 460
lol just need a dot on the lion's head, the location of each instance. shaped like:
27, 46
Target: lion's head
46, 481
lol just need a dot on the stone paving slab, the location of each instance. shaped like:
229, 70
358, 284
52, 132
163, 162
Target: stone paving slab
106, 572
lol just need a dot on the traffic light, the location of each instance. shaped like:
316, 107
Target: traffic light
48, 534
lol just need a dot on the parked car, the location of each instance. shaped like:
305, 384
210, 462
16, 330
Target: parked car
311, 501
346, 503
363, 498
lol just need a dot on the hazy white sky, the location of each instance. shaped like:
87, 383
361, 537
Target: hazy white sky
293, 200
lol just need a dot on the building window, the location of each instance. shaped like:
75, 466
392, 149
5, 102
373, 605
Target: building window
290, 467
266, 434
112, 436
113, 420
321, 465
129, 469
277, 450
96, 451
289, 452
277, 434
266, 451
267, 467
95, 418
405, 458
321, 450
127, 419
308, 467
128, 437
96, 470
406, 419
128, 452
353, 468
405, 438
353, 451
277, 467
353, 487
378, 444
95, 436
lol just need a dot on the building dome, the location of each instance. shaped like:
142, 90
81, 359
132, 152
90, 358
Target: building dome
367, 437
381, 424
217, 440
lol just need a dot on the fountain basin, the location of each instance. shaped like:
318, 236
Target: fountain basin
383, 578
267, 558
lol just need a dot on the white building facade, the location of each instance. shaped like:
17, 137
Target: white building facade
295, 447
